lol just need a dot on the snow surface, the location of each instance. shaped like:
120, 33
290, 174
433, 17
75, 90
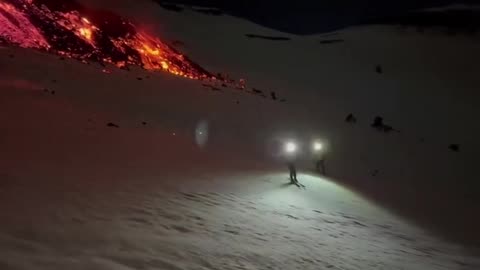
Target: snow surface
77, 194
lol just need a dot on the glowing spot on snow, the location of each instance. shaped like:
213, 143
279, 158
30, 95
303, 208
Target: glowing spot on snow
201, 133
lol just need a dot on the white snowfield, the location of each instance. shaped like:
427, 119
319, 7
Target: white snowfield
78, 194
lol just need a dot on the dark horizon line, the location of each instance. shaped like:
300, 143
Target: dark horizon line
309, 18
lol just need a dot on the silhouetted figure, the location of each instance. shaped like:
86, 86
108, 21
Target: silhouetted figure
320, 166
379, 69
454, 147
274, 96
350, 119
293, 172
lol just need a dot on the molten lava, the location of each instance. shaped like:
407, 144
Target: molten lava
15, 27
72, 30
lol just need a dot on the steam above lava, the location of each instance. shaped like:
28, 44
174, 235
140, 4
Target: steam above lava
72, 30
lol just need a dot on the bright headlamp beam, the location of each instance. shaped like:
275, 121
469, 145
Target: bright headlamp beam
290, 147
317, 146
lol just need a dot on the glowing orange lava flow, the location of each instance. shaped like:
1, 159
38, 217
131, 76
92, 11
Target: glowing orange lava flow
15, 27
74, 31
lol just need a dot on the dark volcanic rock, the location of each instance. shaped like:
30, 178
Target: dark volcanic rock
112, 125
267, 37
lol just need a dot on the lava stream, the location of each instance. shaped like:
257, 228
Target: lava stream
72, 30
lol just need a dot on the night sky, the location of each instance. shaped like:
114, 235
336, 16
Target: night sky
311, 17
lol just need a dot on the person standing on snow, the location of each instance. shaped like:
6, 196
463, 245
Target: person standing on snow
318, 156
320, 165
293, 171
291, 149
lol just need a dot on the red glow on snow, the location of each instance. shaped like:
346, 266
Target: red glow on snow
32, 24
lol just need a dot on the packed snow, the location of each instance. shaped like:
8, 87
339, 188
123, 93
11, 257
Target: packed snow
105, 171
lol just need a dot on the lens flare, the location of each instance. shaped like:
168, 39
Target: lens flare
201, 133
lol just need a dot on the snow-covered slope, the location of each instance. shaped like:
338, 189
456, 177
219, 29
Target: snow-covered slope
76, 193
